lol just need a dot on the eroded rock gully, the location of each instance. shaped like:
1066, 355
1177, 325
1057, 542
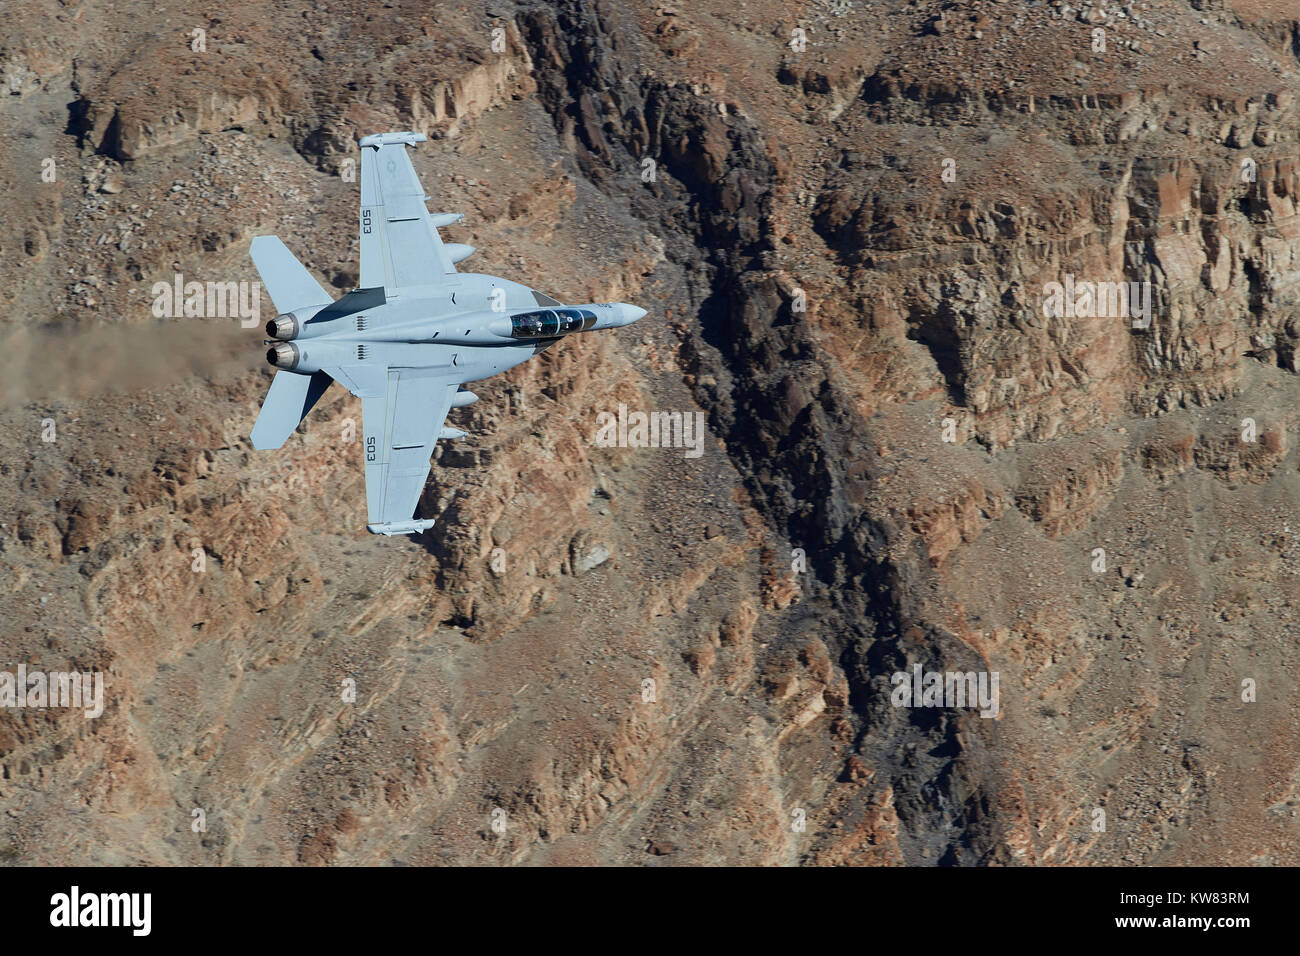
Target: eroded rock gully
613, 647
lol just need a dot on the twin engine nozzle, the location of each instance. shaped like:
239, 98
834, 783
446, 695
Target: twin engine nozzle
283, 355
283, 327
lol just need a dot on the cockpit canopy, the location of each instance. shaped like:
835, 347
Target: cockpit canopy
548, 323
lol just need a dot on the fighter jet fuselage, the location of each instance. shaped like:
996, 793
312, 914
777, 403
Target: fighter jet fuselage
509, 336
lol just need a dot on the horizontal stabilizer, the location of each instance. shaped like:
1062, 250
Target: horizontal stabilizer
291, 397
287, 280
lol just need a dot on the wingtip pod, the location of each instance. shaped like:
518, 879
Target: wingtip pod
376, 140
390, 528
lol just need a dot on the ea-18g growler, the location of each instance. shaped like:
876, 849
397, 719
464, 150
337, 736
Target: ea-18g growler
405, 341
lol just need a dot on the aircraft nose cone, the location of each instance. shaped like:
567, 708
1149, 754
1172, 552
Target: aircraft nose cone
631, 312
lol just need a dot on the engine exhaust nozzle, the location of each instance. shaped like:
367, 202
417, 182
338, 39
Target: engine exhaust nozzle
283, 355
283, 327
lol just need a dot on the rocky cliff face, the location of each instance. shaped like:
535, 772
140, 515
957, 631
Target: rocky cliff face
626, 655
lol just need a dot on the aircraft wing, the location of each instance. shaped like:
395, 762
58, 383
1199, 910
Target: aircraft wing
401, 250
403, 410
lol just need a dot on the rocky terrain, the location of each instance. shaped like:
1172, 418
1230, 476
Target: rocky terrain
843, 216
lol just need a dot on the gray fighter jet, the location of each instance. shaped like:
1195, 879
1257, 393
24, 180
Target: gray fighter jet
405, 341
